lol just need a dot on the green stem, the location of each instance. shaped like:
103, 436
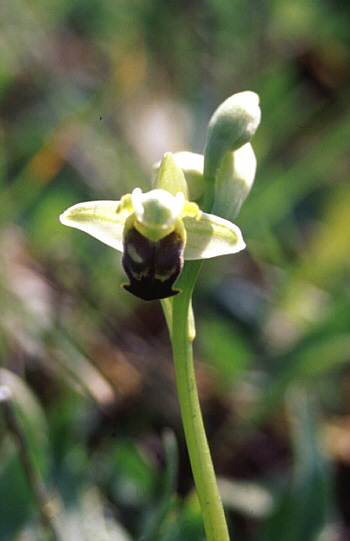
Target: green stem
198, 449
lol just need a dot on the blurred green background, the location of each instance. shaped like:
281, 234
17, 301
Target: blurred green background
91, 94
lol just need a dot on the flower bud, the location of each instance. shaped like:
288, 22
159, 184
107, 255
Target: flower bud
232, 125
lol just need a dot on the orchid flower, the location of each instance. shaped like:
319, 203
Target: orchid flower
156, 231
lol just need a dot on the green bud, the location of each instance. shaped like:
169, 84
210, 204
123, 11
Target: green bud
232, 125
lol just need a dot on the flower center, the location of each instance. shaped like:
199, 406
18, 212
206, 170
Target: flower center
157, 209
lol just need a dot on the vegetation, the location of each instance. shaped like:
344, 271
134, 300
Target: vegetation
91, 443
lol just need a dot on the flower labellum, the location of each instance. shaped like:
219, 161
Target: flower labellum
154, 244
152, 266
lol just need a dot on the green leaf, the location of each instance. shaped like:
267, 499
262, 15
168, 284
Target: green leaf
304, 510
157, 517
18, 503
31, 417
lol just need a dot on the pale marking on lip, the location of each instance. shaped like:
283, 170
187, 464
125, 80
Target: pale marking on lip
133, 254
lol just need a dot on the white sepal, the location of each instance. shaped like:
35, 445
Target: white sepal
211, 236
99, 219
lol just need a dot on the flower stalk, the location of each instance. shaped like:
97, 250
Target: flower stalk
196, 440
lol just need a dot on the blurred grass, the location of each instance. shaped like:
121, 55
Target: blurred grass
91, 94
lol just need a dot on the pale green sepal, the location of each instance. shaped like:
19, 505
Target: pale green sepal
211, 236
232, 125
99, 219
192, 165
170, 177
234, 181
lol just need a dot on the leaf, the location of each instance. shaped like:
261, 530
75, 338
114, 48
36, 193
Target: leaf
304, 509
31, 417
